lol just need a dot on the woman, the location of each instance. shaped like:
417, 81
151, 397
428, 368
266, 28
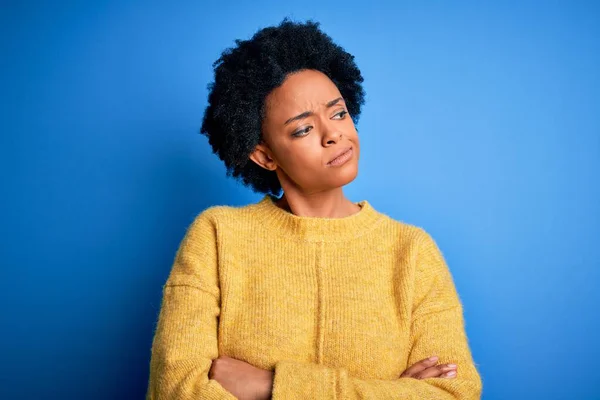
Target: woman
306, 295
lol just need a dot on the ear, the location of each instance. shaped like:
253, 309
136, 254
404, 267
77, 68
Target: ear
262, 157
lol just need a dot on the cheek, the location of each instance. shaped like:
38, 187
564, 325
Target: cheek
308, 160
355, 139
353, 133
302, 158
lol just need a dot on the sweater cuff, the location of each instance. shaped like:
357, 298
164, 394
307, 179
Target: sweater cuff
301, 380
214, 391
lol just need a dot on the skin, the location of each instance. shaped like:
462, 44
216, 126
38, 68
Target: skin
310, 186
298, 152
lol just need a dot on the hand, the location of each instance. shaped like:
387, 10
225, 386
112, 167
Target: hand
243, 380
427, 369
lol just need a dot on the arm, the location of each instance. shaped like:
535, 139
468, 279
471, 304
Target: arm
437, 329
185, 340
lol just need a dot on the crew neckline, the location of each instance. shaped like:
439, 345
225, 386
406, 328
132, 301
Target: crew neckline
290, 225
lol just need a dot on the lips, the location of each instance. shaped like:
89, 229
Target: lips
340, 153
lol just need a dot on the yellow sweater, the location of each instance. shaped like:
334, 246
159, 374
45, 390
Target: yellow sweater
338, 308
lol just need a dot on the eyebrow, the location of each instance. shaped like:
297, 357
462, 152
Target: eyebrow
308, 113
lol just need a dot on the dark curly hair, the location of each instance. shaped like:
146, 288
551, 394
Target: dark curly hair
247, 73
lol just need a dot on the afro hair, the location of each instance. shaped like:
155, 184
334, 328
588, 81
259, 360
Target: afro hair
247, 73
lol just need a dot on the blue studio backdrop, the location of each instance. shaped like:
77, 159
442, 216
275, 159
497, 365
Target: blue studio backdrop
481, 125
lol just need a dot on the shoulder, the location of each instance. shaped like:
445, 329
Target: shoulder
414, 241
206, 226
411, 233
219, 216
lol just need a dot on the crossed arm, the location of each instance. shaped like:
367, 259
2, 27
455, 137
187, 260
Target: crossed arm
438, 327
185, 340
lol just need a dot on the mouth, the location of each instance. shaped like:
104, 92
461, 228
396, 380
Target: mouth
342, 158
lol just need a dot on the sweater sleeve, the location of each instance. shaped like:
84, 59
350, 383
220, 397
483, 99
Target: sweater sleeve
438, 328
185, 339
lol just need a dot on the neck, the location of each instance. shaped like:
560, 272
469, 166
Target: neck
290, 226
330, 204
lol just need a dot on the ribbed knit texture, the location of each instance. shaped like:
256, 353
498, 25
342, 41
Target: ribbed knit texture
337, 307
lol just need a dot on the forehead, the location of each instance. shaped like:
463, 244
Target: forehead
301, 91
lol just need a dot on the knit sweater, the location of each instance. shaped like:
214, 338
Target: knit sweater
338, 308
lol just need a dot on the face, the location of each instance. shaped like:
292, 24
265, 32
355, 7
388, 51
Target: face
306, 125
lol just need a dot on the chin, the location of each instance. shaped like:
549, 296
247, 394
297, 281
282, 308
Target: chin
344, 176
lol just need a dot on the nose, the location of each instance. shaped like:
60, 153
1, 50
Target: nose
332, 134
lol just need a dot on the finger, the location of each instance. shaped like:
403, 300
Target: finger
438, 371
420, 366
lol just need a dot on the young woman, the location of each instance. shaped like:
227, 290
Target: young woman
304, 294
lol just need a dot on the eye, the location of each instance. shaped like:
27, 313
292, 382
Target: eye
342, 114
305, 130
299, 133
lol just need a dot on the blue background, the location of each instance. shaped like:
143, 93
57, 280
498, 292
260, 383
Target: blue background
481, 125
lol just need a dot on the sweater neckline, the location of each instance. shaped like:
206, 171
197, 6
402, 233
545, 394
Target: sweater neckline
287, 224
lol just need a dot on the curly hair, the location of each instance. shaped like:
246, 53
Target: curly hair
247, 73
